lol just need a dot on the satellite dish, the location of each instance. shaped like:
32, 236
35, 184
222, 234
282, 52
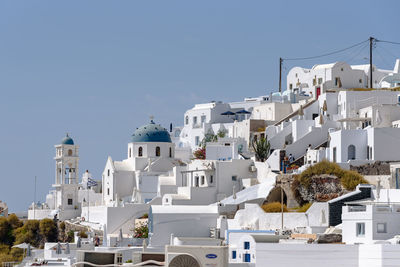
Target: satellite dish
184, 261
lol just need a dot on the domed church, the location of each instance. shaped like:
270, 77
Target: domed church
151, 153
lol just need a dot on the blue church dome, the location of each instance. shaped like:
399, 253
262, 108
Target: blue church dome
151, 133
67, 141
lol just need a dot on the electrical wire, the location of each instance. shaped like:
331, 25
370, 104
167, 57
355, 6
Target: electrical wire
389, 42
326, 54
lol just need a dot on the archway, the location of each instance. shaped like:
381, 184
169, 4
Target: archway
275, 196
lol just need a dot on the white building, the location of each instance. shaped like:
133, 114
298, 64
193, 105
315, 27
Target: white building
322, 77
135, 179
208, 181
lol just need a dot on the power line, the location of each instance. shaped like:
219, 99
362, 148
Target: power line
326, 54
389, 42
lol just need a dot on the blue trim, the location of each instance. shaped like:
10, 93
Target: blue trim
245, 231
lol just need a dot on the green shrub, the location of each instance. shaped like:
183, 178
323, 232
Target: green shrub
323, 167
141, 231
70, 236
351, 179
83, 234
274, 207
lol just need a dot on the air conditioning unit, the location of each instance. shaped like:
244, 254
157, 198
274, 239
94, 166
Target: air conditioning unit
196, 256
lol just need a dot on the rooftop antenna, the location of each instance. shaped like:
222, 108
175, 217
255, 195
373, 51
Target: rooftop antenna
280, 74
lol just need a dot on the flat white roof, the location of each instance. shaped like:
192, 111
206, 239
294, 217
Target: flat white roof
184, 209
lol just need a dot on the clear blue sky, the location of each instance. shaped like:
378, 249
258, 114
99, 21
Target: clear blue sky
98, 69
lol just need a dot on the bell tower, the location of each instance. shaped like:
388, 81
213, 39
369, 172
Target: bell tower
67, 160
66, 179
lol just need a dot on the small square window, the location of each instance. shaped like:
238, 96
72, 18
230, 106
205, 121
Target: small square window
381, 228
69, 201
234, 178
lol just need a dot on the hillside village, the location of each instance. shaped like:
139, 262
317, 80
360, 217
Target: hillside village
312, 171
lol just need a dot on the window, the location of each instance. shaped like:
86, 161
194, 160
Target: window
108, 191
337, 81
367, 152
119, 258
351, 152
211, 179
341, 69
170, 152
158, 151
234, 178
314, 81
197, 181
187, 120
203, 118
360, 229
319, 80
69, 152
108, 172
233, 254
177, 133
196, 140
140, 151
334, 154
69, 201
130, 152
246, 245
290, 86
246, 257
381, 228
194, 120
360, 80
202, 180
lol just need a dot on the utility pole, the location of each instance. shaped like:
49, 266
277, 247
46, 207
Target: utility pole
280, 74
371, 43
34, 201
281, 208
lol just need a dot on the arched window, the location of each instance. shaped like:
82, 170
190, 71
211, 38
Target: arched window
130, 152
170, 152
140, 151
351, 152
187, 120
177, 133
157, 151
70, 152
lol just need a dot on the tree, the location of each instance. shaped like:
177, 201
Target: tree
14, 221
5, 232
28, 233
261, 148
48, 230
